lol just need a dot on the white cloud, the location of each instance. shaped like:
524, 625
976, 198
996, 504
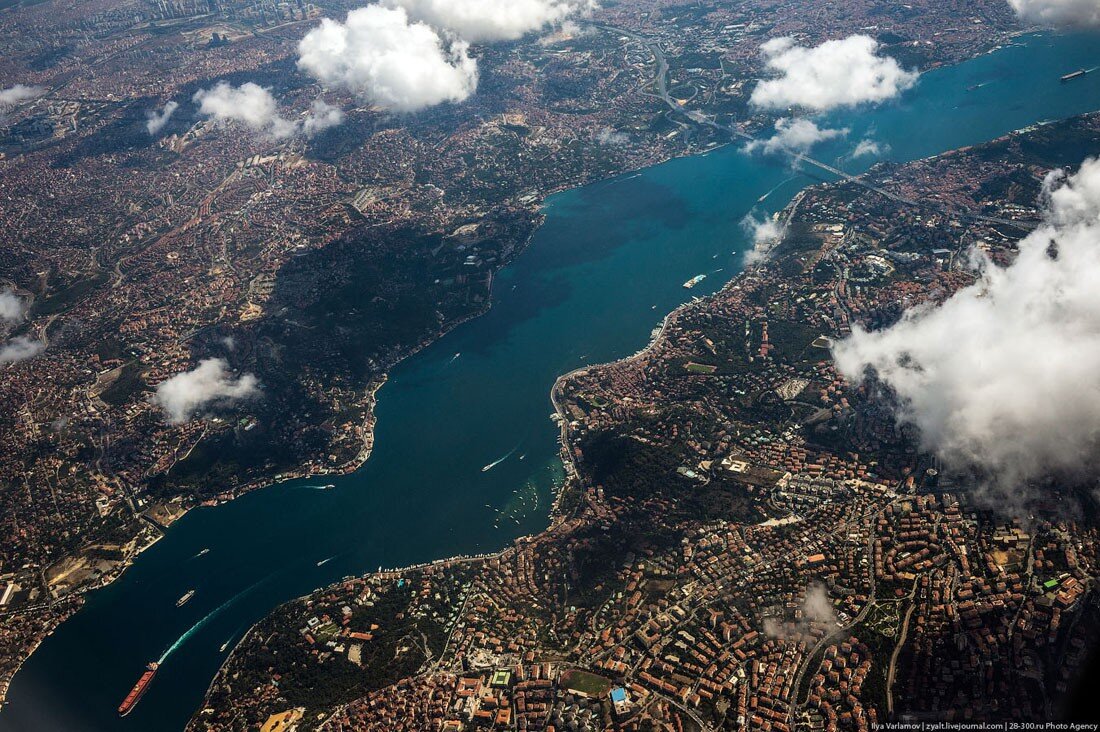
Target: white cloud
20, 349
836, 73
566, 31
817, 610
379, 55
322, 116
1059, 13
817, 606
157, 119
19, 93
1004, 376
491, 20
608, 136
766, 232
253, 106
12, 307
868, 148
794, 135
185, 394
250, 104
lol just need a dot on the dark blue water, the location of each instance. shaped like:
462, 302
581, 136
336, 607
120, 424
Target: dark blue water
604, 269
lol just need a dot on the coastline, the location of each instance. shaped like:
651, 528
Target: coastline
367, 436
557, 518
367, 429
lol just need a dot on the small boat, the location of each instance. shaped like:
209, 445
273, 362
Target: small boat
186, 597
326, 561
225, 645
497, 462
204, 551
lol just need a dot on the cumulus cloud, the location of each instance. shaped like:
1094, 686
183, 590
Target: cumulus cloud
1059, 13
765, 232
380, 55
868, 148
156, 120
12, 307
250, 104
20, 349
19, 93
185, 394
1004, 376
794, 135
491, 20
322, 116
835, 74
253, 106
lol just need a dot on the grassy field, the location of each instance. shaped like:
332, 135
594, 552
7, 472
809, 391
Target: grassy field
586, 683
700, 368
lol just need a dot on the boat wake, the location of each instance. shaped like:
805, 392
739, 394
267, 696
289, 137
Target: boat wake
498, 461
231, 638
207, 618
773, 190
327, 560
455, 357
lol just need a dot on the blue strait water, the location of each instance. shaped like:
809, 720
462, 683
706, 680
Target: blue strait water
604, 269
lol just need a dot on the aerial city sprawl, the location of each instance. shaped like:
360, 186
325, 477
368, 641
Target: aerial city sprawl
671, 365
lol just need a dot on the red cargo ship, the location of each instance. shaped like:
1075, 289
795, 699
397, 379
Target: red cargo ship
135, 694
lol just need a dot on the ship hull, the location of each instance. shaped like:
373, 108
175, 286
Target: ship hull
138, 691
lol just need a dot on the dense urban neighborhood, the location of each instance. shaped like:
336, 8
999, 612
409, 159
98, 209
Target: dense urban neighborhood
226, 222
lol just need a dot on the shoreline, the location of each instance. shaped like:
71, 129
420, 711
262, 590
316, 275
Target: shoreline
556, 517
369, 425
370, 400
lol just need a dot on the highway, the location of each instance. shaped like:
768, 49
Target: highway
660, 80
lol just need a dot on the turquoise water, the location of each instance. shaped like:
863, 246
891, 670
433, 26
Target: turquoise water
604, 269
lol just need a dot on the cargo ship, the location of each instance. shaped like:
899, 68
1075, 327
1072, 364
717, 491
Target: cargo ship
139, 689
694, 281
1073, 75
186, 596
